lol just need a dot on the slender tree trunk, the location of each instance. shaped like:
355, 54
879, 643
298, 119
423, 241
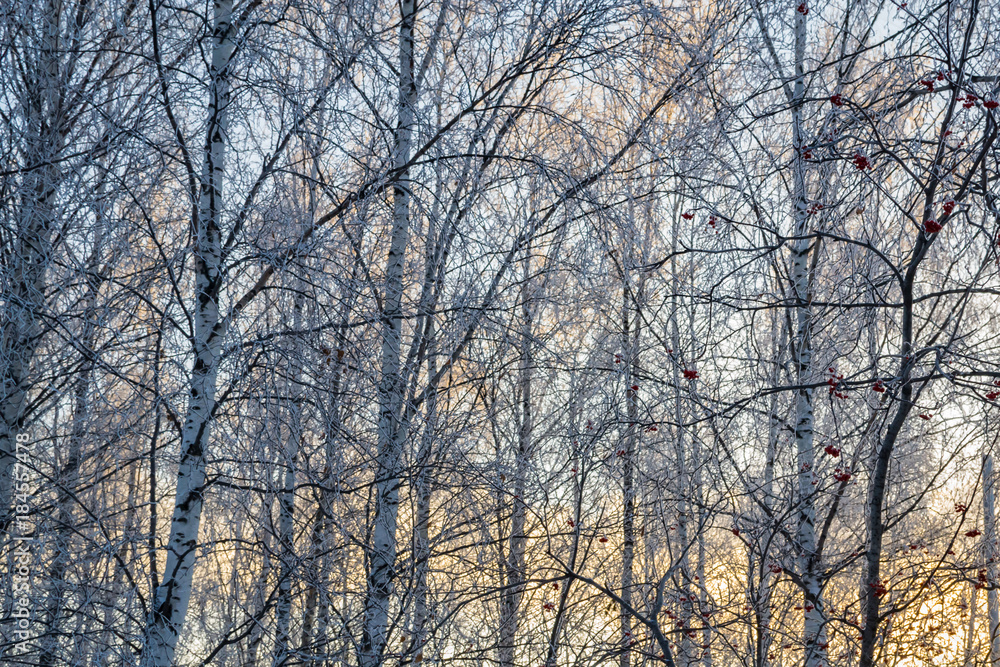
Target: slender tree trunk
382, 556
873, 587
514, 563
422, 544
25, 298
286, 546
292, 404
313, 593
174, 593
970, 635
435, 259
990, 555
315, 609
260, 597
809, 565
686, 607
763, 607
630, 339
68, 476
701, 585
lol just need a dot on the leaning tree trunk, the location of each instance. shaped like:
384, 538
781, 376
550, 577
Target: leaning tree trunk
382, 552
174, 593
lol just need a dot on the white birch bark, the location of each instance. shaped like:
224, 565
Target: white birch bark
174, 593
809, 566
683, 656
629, 347
382, 555
990, 554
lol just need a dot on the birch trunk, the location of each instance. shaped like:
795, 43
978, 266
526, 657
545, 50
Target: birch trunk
809, 565
680, 451
990, 556
174, 593
382, 557
286, 516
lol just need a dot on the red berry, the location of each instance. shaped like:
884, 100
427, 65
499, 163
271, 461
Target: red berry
841, 475
837, 100
932, 226
690, 374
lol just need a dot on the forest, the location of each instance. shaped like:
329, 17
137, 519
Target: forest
513, 333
